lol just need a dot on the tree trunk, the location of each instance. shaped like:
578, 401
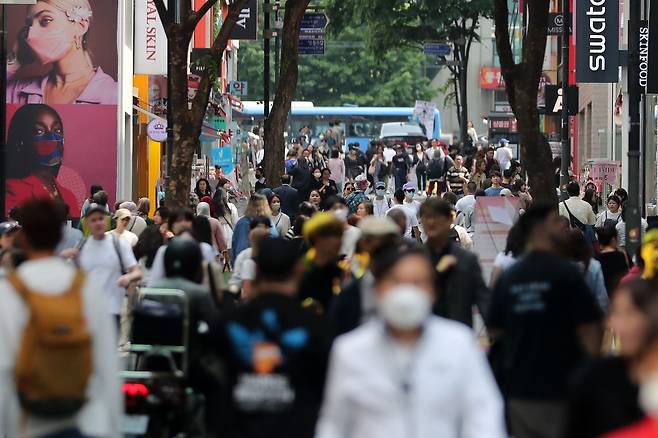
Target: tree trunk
274, 146
522, 83
186, 126
463, 90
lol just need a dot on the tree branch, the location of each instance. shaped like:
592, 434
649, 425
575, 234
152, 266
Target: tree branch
165, 17
198, 15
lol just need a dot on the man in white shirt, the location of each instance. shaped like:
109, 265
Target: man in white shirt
504, 155
468, 200
109, 259
46, 274
411, 226
380, 203
407, 373
580, 209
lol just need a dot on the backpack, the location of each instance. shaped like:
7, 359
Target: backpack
609, 222
453, 235
54, 360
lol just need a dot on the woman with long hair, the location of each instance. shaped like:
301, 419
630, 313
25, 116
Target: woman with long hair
55, 39
202, 188
35, 154
227, 215
256, 206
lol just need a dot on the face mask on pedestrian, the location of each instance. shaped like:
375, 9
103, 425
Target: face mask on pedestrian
405, 307
341, 214
317, 175
276, 206
409, 195
380, 192
47, 44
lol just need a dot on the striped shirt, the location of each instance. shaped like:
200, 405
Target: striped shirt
455, 179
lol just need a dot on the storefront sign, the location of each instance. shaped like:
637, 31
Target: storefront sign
643, 49
491, 79
605, 171
157, 130
503, 124
246, 28
554, 100
150, 40
597, 41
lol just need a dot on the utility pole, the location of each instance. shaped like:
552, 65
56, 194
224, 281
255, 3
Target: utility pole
632, 209
267, 34
566, 145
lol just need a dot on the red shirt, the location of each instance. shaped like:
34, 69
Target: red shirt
647, 428
23, 190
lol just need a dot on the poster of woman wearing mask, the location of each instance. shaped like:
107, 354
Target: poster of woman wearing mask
62, 52
47, 154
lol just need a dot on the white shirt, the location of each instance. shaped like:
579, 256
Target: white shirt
607, 214
101, 415
621, 231
380, 206
412, 219
446, 391
244, 268
127, 236
351, 236
504, 261
465, 202
389, 153
100, 260
580, 209
504, 157
158, 268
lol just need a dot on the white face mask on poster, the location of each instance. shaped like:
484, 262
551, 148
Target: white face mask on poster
405, 307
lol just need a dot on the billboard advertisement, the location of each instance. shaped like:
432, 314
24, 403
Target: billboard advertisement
597, 41
61, 101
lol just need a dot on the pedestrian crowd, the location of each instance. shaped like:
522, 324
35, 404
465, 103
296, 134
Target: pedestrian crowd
340, 304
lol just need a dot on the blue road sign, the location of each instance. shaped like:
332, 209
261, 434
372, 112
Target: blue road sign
311, 45
437, 49
314, 20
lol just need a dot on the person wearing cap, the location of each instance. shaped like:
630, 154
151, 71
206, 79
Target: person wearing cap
108, 258
122, 217
273, 353
409, 190
100, 198
504, 154
358, 195
323, 276
136, 224
381, 204
356, 302
7, 234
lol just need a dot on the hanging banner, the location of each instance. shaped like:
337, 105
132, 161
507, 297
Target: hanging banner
597, 41
58, 149
150, 40
643, 50
424, 114
652, 74
246, 28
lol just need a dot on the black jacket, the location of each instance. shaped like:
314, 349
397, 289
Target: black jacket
274, 354
460, 287
289, 197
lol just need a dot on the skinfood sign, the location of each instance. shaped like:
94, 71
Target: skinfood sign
597, 40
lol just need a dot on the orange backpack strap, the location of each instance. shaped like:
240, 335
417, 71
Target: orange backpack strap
18, 285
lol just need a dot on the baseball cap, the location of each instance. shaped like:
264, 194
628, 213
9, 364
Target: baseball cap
378, 226
122, 213
504, 141
7, 227
408, 186
380, 185
95, 208
361, 182
506, 192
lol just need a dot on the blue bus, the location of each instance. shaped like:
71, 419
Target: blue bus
360, 124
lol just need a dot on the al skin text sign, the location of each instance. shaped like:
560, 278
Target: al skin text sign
150, 40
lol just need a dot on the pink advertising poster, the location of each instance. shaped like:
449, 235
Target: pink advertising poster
61, 101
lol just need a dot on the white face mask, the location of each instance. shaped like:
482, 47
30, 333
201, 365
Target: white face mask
405, 307
341, 214
649, 396
276, 207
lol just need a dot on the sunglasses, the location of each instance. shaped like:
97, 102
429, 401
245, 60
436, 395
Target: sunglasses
349, 189
410, 190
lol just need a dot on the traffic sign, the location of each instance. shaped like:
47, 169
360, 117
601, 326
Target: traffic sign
311, 44
437, 49
314, 20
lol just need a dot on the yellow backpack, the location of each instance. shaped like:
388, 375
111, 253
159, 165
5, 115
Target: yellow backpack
55, 355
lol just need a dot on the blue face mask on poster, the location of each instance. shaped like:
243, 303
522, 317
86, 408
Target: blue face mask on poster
50, 149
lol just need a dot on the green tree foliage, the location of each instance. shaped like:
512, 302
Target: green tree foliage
347, 74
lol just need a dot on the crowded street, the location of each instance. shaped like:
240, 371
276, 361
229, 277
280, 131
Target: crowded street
322, 219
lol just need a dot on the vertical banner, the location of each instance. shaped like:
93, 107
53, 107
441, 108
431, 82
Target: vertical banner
61, 140
643, 51
150, 40
597, 41
246, 28
652, 75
